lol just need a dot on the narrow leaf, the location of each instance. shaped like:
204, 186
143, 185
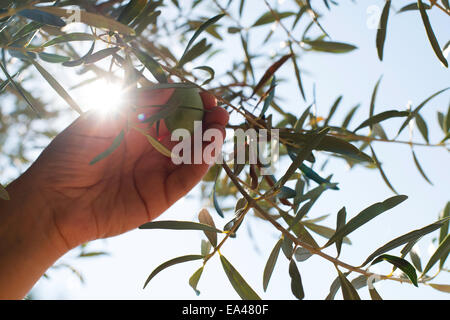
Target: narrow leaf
348, 291
441, 253
365, 216
430, 33
205, 218
56, 86
296, 281
179, 225
381, 33
270, 264
170, 263
400, 263
406, 238
238, 282
194, 279
382, 117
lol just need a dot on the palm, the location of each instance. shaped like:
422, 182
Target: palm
133, 185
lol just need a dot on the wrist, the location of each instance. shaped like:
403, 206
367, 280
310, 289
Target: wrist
31, 242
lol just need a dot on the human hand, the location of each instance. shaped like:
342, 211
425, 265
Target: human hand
133, 185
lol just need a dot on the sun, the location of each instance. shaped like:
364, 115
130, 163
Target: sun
102, 96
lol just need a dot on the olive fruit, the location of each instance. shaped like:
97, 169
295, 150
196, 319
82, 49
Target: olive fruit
188, 107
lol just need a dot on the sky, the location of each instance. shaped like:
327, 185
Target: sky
410, 71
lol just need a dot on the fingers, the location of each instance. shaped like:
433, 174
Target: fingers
209, 101
217, 115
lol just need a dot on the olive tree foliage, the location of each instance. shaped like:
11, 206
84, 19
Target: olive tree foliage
131, 38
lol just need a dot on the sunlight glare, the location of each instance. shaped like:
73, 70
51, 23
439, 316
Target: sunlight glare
102, 96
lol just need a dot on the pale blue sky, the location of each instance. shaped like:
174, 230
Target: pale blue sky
411, 72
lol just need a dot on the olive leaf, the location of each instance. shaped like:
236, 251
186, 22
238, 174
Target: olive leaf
179, 225
348, 291
381, 33
170, 263
365, 216
270, 264
430, 33
400, 263
195, 278
238, 282
296, 281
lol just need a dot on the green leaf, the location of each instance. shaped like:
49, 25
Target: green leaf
170, 263
152, 65
444, 229
205, 218
131, 11
349, 116
421, 124
53, 58
200, 30
302, 254
269, 98
238, 282
332, 110
348, 291
179, 225
324, 231
374, 294
430, 33
286, 193
415, 259
365, 216
335, 285
158, 146
3, 193
296, 281
211, 72
340, 146
412, 6
340, 222
99, 55
441, 253
297, 71
300, 122
80, 61
92, 19
419, 167
381, 117
381, 33
215, 201
270, 72
194, 279
373, 98
383, 174
400, 263
330, 46
406, 238
270, 264
92, 254
56, 86
301, 156
269, 17
17, 87
287, 247
419, 107
196, 51
42, 17
76, 36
